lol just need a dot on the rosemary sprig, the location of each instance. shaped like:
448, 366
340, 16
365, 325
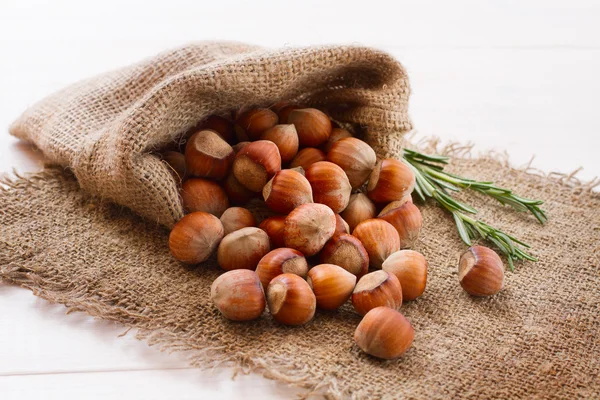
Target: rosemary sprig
434, 182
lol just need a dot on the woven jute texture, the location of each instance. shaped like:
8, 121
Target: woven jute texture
105, 128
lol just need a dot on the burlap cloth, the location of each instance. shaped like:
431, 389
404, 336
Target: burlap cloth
538, 338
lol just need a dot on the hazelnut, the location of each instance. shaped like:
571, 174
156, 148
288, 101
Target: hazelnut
176, 162
377, 289
359, 209
481, 272
194, 238
207, 155
395, 204
238, 146
274, 228
380, 239
336, 134
250, 124
256, 163
222, 126
312, 125
308, 227
236, 192
238, 295
284, 112
408, 222
291, 300
287, 190
332, 285
341, 226
347, 252
308, 156
235, 218
390, 180
285, 138
243, 249
204, 195
330, 185
384, 333
410, 267
355, 157
281, 261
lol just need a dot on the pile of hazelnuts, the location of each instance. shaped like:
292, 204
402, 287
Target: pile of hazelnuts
338, 212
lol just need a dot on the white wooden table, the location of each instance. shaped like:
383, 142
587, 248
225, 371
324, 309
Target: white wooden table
521, 78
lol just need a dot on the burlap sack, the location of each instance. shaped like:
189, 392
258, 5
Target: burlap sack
538, 338
104, 128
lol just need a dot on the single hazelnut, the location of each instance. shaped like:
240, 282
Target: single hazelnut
222, 126
240, 145
312, 125
281, 261
336, 134
291, 300
284, 112
308, 227
176, 162
204, 195
377, 289
359, 209
410, 267
408, 222
355, 157
384, 333
347, 252
274, 228
235, 218
256, 163
195, 236
236, 192
481, 272
207, 155
287, 190
250, 124
380, 239
390, 180
238, 295
330, 185
306, 157
285, 138
243, 249
341, 226
331, 284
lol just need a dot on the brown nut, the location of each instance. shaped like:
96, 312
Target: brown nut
330, 185
390, 180
243, 249
284, 112
222, 126
341, 226
306, 157
359, 209
287, 190
481, 272
194, 238
291, 300
377, 289
235, 218
238, 295
347, 252
355, 157
384, 333
256, 163
236, 192
331, 284
308, 227
336, 134
285, 138
207, 155
204, 195
380, 239
176, 162
410, 267
408, 222
312, 125
395, 204
250, 124
274, 228
281, 261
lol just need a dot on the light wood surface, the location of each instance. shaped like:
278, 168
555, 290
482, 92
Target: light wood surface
515, 77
